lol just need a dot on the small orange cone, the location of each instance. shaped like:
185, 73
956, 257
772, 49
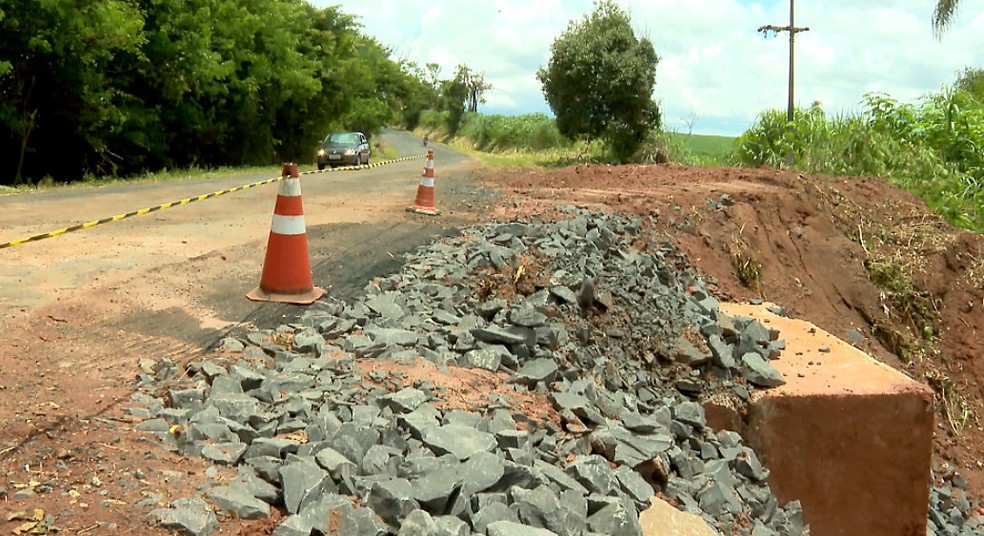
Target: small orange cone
287, 267
424, 203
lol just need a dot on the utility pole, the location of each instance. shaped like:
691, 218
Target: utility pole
793, 30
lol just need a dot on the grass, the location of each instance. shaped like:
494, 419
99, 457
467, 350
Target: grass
381, 151
705, 147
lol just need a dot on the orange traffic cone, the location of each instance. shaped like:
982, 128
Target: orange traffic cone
287, 267
424, 203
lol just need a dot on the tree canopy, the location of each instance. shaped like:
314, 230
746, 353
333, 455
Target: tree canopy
600, 78
121, 86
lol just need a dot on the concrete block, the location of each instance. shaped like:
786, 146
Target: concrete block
848, 436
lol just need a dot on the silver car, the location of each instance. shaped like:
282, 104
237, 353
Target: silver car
344, 149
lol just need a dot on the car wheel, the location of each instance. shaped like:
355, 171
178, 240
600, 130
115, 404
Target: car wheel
320, 166
367, 160
358, 160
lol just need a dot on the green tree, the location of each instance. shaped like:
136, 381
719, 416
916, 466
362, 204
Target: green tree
600, 78
58, 62
971, 81
943, 16
454, 94
477, 87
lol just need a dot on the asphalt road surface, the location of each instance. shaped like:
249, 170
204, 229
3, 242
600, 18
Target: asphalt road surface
172, 282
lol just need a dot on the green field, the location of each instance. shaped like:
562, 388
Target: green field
705, 148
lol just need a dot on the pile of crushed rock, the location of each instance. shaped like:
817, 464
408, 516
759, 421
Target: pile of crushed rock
523, 378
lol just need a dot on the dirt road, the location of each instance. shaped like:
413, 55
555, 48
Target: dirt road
80, 310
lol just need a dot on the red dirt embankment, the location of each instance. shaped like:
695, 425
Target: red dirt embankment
858, 257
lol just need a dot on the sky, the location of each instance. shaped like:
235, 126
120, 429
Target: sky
716, 72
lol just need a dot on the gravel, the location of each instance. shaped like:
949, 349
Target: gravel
623, 343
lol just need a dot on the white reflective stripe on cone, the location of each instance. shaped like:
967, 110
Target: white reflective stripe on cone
291, 188
427, 181
288, 225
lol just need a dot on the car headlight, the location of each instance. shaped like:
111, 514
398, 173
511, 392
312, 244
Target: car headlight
321, 152
349, 152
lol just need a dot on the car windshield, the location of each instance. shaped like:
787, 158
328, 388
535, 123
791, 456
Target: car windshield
347, 138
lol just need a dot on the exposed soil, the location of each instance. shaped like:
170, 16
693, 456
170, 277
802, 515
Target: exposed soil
844, 253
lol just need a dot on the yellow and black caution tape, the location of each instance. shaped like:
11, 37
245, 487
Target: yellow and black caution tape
184, 201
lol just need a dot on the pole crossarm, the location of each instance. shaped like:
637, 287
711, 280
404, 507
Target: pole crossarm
777, 29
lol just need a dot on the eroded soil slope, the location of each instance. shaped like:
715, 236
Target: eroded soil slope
858, 257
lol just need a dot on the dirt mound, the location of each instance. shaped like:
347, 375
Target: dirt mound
858, 257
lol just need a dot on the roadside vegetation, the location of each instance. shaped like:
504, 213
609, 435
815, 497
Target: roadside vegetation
933, 147
93, 91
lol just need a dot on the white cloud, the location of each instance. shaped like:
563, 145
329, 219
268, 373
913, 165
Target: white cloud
713, 62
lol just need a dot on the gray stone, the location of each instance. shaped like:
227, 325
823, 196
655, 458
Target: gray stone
586, 294
418, 523
527, 316
236, 406
464, 418
224, 453
226, 385
392, 337
451, 526
497, 335
248, 378
154, 425
418, 422
712, 498
687, 354
615, 520
385, 305
256, 486
239, 502
559, 477
434, 489
362, 522
194, 516
294, 525
541, 507
634, 485
404, 400
267, 467
377, 458
481, 358
512, 439
353, 440
690, 413
748, 465
460, 441
187, 398
637, 423
492, 513
319, 513
577, 404
271, 446
392, 499
443, 317
722, 352
564, 294
757, 332
481, 472
552, 336
535, 371
595, 474
303, 483
759, 372
510, 528
307, 340
489, 309
231, 344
